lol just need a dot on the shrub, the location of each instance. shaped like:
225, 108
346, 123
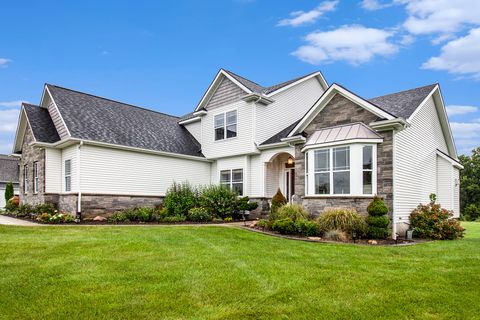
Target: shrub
180, 198
307, 228
219, 200
199, 215
434, 222
377, 220
175, 218
11, 206
377, 207
228, 219
278, 200
471, 212
43, 217
262, 223
346, 220
335, 235
45, 208
244, 204
25, 210
118, 216
9, 192
290, 211
60, 218
284, 226
162, 213
145, 214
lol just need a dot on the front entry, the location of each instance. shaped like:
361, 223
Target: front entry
289, 183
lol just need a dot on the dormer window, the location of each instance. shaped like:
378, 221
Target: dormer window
225, 125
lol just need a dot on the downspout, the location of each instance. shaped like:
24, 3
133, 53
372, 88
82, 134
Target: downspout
79, 201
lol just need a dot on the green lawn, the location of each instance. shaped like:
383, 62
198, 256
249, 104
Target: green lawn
225, 273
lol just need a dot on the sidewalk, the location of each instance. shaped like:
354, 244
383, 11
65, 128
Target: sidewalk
9, 221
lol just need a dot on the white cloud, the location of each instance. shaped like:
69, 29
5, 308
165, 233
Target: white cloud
10, 104
455, 110
372, 5
301, 18
8, 120
444, 17
355, 44
4, 62
460, 56
467, 135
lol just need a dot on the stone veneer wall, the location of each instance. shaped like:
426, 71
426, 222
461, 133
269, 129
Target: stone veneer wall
30, 155
337, 112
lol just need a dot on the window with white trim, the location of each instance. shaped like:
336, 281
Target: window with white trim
68, 175
225, 125
232, 179
341, 170
25, 178
35, 177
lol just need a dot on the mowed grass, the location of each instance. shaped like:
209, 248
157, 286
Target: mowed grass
209, 272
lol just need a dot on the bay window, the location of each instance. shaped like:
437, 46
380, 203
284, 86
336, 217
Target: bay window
341, 170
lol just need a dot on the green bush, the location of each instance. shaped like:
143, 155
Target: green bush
434, 222
471, 212
45, 208
377, 220
11, 207
307, 228
244, 204
346, 220
377, 207
290, 211
176, 218
284, 226
25, 210
278, 200
219, 200
180, 198
199, 215
262, 223
118, 216
9, 193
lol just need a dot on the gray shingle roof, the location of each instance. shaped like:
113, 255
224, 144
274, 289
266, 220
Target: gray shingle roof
8, 169
41, 123
95, 118
404, 103
400, 104
257, 88
282, 134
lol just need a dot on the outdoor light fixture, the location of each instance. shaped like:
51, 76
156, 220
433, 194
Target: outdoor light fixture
290, 160
354, 237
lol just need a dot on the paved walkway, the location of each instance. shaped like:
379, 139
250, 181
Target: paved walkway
9, 221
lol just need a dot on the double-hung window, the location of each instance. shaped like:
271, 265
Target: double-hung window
25, 178
322, 171
35, 177
341, 170
225, 125
367, 169
233, 179
68, 175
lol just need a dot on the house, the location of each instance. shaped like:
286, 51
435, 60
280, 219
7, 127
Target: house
8, 173
322, 145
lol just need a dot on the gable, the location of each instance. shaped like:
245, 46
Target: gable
47, 102
338, 111
227, 92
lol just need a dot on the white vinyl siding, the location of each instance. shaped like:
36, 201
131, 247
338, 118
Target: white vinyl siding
114, 171
56, 117
288, 107
456, 192
272, 176
195, 129
415, 164
445, 183
53, 170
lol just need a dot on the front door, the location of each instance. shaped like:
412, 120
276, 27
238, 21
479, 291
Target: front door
289, 183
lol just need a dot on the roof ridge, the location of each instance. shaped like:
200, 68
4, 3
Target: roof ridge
112, 100
228, 71
281, 84
403, 91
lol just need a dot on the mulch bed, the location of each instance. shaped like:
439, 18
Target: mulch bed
364, 242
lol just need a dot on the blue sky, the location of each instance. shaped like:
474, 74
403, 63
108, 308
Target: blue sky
163, 54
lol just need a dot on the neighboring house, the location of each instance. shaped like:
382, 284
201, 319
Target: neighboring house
8, 173
322, 145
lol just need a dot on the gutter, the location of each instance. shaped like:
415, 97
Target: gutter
397, 124
116, 146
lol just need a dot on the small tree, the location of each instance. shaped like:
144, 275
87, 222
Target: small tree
377, 219
278, 200
8, 192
